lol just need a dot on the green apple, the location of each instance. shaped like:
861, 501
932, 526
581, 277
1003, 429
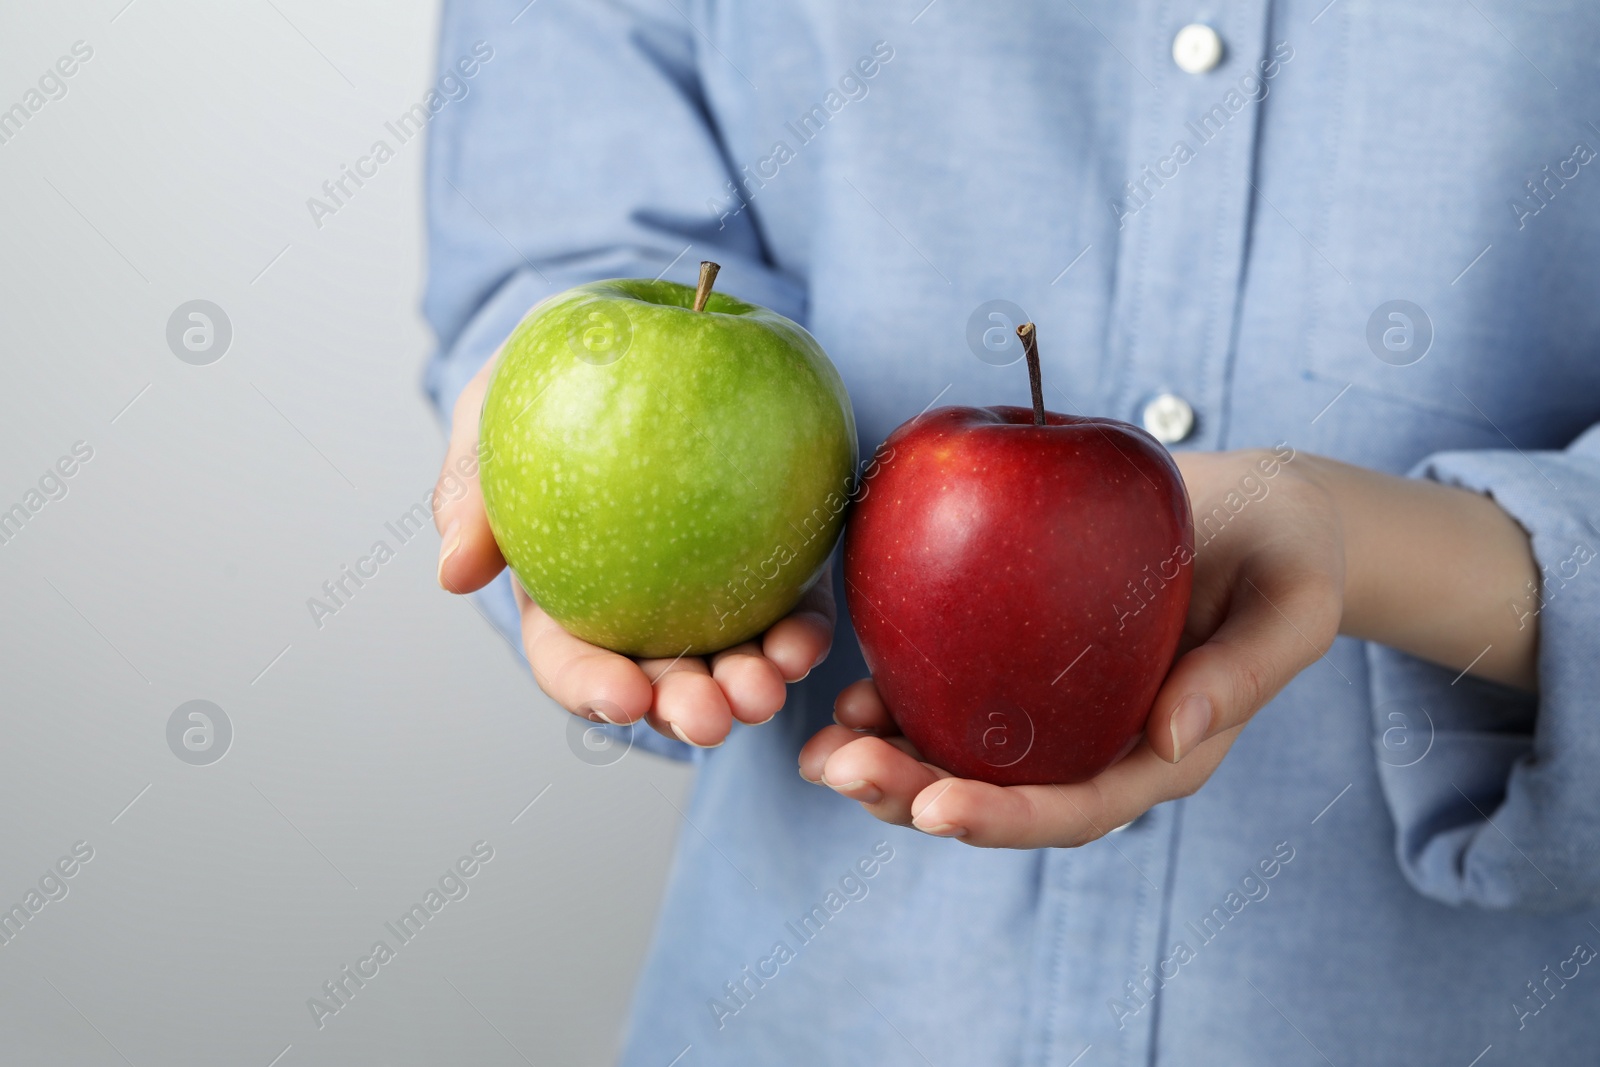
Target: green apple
665, 469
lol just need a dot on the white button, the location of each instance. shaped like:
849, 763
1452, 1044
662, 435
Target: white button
1197, 48
1168, 418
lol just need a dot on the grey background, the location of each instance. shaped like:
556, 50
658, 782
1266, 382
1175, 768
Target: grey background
367, 755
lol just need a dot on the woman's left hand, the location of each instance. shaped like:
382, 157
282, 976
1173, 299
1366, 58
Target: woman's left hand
1267, 603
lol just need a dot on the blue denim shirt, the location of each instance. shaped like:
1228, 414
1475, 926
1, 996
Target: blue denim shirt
1370, 231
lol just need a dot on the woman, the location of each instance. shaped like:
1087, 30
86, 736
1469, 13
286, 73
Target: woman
1353, 239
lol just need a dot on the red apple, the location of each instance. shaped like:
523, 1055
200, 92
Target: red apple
1019, 581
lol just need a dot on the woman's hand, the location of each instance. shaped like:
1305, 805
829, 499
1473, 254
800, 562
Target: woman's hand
1268, 597
693, 699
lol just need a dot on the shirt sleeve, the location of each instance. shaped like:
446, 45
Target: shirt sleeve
1495, 793
579, 147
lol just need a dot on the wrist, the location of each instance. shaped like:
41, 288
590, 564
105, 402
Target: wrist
1333, 483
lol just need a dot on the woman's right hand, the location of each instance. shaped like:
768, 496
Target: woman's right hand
693, 699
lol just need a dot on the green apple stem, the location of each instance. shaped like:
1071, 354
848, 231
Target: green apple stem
708, 277
1030, 350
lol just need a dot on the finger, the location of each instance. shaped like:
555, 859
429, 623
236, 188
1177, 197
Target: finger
801, 640
882, 778
750, 682
468, 555
689, 704
657, 669
859, 707
586, 680
815, 752
1062, 816
1274, 630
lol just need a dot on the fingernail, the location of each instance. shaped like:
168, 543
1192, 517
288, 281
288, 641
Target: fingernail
449, 541
943, 829
813, 781
685, 737
596, 715
860, 789
1189, 724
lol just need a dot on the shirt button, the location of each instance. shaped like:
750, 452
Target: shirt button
1197, 48
1168, 418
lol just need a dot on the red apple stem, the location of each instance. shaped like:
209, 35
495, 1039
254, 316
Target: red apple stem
708, 277
1030, 350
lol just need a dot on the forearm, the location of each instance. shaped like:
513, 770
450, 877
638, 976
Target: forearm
1438, 572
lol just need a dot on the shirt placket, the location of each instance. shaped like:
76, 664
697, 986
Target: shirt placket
1203, 74
1184, 215
1102, 909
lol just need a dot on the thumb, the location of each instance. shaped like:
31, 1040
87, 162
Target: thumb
1261, 645
468, 555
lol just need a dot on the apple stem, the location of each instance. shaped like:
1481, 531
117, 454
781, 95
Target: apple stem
1030, 350
708, 277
